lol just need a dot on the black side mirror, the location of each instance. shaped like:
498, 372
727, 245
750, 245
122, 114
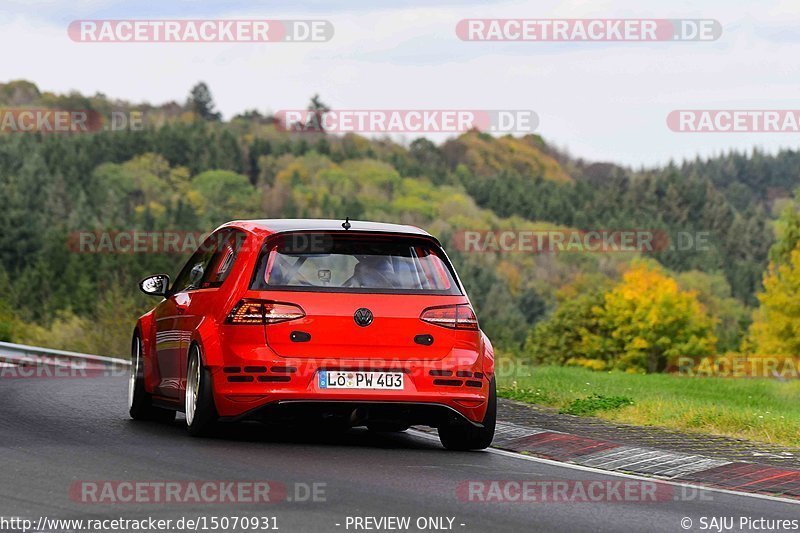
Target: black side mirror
157, 285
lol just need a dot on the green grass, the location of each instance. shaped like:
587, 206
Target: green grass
762, 410
595, 403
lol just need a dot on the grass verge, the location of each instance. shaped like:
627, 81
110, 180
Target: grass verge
762, 410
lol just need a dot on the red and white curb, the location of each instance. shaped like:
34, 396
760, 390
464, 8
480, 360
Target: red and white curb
675, 466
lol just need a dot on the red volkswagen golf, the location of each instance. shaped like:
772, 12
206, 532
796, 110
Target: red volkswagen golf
344, 324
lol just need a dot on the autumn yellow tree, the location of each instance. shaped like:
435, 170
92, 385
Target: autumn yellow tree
651, 321
642, 324
776, 323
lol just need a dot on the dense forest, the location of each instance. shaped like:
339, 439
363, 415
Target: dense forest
188, 170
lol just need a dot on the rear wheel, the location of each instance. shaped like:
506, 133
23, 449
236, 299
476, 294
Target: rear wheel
201, 414
465, 436
140, 403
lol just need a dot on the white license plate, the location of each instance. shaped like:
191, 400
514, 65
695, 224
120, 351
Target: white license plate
334, 379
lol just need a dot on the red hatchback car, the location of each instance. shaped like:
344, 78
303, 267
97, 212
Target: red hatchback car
345, 324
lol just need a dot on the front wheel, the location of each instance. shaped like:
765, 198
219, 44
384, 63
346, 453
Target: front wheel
140, 403
201, 414
465, 436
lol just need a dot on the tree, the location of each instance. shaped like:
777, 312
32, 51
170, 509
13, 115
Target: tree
641, 325
317, 108
572, 335
6, 316
787, 229
221, 195
714, 292
652, 322
201, 102
776, 323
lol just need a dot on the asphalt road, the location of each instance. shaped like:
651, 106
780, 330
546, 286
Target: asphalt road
55, 432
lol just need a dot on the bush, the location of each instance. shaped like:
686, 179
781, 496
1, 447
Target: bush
594, 403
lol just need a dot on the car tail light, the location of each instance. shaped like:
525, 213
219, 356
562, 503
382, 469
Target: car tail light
263, 312
451, 316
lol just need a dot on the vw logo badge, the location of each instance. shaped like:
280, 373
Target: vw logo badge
363, 317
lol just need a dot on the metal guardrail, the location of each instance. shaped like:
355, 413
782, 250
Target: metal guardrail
22, 353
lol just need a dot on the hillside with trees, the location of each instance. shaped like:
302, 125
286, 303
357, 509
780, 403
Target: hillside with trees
189, 170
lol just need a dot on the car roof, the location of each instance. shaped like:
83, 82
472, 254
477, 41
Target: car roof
282, 225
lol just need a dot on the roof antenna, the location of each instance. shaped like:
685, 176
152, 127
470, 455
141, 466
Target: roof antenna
346, 224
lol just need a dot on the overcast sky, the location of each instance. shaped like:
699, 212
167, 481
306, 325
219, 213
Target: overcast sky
600, 101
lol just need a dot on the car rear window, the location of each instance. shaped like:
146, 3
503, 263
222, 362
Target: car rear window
354, 263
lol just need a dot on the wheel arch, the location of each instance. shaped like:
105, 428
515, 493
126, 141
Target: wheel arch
207, 338
144, 331
487, 351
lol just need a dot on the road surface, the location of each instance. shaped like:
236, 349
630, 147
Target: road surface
56, 433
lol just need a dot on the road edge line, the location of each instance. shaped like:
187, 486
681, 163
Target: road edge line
552, 462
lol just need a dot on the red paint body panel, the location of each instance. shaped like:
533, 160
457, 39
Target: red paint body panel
283, 369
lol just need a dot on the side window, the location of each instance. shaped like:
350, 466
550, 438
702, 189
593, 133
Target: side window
229, 242
193, 272
211, 263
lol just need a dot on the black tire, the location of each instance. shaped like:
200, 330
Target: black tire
387, 427
203, 420
465, 436
140, 403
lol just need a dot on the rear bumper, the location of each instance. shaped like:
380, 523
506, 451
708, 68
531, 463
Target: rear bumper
355, 413
434, 393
